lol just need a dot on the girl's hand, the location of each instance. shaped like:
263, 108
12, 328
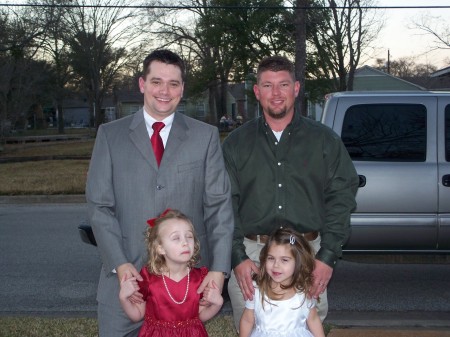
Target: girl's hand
129, 289
212, 295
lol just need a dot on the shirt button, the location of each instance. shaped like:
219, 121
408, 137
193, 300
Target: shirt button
280, 185
280, 207
279, 164
276, 143
159, 187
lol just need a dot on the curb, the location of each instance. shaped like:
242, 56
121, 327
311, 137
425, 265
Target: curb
389, 319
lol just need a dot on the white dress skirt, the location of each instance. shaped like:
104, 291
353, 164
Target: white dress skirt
281, 318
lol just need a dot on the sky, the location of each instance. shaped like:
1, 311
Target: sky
402, 41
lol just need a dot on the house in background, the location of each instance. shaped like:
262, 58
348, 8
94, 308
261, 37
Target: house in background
443, 74
369, 79
244, 102
76, 113
123, 103
439, 80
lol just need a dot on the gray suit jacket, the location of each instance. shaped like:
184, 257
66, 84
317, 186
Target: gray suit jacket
125, 187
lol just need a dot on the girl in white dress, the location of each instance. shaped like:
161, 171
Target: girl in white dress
280, 306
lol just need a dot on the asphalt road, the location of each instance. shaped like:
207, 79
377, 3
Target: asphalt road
44, 266
46, 269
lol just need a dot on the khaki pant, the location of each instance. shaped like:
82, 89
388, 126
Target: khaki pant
252, 249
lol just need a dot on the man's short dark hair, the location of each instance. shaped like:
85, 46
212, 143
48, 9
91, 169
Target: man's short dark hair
165, 56
275, 63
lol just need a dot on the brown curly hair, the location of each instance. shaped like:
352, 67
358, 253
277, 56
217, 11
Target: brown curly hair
156, 262
303, 254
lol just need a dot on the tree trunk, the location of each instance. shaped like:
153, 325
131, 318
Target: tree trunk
300, 53
60, 111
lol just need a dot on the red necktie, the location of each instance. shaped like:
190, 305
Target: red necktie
157, 143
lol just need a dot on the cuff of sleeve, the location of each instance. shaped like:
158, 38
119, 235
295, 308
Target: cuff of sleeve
237, 257
327, 256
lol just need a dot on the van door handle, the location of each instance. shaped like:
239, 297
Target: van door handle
446, 180
362, 180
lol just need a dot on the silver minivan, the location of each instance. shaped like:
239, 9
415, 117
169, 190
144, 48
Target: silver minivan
400, 145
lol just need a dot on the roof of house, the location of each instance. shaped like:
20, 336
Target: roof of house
368, 78
441, 72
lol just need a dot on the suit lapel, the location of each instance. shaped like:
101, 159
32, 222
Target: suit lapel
178, 135
140, 138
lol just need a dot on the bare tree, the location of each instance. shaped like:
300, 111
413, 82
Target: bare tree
405, 67
100, 33
22, 79
222, 44
54, 47
435, 26
341, 40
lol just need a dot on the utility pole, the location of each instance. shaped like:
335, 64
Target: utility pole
389, 62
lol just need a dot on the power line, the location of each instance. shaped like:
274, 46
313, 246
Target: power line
218, 7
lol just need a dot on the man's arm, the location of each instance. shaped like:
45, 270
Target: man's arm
340, 190
101, 204
242, 265
218, 213
238, 254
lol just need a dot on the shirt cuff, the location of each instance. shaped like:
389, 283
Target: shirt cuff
327, 256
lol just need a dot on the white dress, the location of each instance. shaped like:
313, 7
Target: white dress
285, 318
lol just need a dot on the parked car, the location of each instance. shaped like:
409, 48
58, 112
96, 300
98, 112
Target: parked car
400, 145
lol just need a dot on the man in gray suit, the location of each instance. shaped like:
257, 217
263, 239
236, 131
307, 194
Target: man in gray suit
126, 186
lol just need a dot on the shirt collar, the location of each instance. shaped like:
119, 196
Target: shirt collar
149, 120
295, 121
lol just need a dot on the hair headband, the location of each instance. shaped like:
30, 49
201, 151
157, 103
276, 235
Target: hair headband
152, 222
292, 239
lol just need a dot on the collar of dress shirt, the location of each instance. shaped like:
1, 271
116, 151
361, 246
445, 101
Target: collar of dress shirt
164, 133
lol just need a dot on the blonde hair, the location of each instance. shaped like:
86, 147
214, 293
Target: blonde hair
303, 254
156, 262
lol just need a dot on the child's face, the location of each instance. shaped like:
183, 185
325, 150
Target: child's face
177, 241
280, 263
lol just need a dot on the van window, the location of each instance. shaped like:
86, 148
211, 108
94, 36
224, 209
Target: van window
447, 133
385, 132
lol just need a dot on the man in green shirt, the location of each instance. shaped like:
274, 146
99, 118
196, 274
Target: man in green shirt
286, 170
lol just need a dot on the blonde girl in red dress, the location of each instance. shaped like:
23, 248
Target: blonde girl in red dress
167, 297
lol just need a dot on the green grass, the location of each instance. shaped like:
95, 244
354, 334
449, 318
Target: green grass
47, 327
39, 149
47, 177
219, 326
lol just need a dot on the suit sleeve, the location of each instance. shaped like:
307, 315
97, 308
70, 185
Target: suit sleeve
217, 207
101, 205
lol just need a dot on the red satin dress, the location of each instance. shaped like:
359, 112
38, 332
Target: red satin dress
165, 318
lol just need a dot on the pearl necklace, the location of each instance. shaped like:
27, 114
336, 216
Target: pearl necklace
170, 295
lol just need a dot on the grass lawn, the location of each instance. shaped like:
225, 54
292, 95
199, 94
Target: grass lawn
46, 177
219, 326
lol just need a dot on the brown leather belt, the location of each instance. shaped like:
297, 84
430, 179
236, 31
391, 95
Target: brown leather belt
311, 236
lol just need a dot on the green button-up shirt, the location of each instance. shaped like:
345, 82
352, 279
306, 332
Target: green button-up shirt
306, 181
